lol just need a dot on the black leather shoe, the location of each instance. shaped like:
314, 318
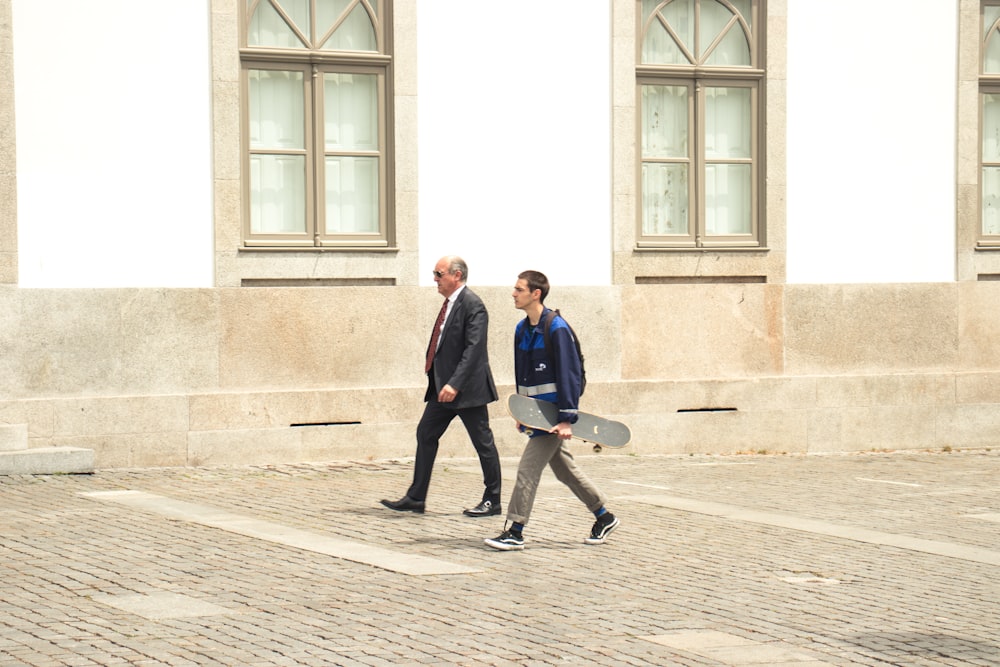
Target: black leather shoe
485, 508
405, 504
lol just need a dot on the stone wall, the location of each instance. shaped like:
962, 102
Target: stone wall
263, 375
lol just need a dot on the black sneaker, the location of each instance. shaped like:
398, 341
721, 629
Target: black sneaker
507, 541
602, 528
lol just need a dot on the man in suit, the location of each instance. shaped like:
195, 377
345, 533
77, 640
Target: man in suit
459, 384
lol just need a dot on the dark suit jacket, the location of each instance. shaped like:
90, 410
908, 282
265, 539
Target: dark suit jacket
462, 359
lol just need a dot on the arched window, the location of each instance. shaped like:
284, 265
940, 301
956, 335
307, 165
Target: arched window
990, 146
700, 124
316, 123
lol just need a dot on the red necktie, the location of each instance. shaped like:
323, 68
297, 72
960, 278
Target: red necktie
435, 335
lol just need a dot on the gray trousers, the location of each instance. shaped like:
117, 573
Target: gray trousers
539, 452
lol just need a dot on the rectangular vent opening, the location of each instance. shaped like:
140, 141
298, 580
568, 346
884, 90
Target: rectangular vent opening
343, 423
698, 280
707, 410
318, 282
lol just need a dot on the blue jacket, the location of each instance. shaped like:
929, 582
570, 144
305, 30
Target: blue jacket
555, 380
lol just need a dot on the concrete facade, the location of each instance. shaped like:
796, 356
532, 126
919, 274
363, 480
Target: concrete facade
685, 346
194, 377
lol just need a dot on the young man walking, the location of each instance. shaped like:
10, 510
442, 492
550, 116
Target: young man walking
557, 379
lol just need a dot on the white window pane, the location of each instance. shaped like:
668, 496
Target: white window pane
665, 121
991, 128
743, 7
351, 195
659, 46
356, 33
680, 15
727, 123
350, 106
714, 17
328, 12
277, 194
268, 28
733, 50
665, 199
991, 200
727, 199
298, 11
277, 114
991, 59
990, 15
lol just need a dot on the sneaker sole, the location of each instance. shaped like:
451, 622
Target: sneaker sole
503, 546
607, 531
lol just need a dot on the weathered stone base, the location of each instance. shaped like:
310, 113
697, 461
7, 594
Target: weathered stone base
799, 414
17, 459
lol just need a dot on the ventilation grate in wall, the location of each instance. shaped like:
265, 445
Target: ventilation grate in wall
343, 423
318, 282
697, 280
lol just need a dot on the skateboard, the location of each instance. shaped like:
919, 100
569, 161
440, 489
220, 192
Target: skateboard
543, 416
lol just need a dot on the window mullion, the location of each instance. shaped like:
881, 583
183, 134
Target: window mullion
315, 196
697, 133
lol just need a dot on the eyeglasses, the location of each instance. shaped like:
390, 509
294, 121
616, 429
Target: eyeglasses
439, 274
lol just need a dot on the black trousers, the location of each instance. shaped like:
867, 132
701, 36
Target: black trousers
433, 424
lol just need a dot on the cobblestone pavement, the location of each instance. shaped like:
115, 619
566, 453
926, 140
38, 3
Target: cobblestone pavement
855, 559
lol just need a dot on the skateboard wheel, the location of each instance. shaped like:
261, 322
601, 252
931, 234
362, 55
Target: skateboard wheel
597, 449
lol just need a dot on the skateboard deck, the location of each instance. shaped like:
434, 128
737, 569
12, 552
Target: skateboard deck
543, 416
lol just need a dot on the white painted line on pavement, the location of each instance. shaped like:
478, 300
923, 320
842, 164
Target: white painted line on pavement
721, 463
730, 649
357, 552
885, 481
160, 606
648, 486
948, 549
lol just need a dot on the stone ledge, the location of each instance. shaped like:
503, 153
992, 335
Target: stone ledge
47, 461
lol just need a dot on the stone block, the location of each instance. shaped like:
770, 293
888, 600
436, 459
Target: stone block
873, 428
979, 322
869, 329
47, 461
896, 389
701, 331
969, 426
13, 437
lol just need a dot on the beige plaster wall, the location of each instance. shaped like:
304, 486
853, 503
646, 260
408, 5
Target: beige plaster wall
265, 375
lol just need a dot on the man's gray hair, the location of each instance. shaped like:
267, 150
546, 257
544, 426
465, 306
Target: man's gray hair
455, 264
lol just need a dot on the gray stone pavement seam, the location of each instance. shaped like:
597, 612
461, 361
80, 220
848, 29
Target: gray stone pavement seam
264, 530
731, 512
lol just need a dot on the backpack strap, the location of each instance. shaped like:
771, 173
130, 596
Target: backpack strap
546, 326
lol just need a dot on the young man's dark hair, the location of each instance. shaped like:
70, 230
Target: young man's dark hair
536, 280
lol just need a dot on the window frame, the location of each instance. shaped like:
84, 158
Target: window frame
989, 84
314, 64
697, 77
